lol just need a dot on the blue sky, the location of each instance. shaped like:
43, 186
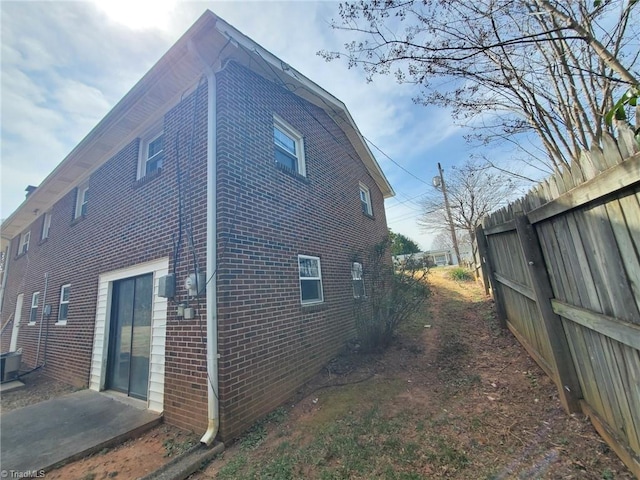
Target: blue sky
65, 64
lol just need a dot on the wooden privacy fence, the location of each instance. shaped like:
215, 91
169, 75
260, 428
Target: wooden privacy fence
564, 268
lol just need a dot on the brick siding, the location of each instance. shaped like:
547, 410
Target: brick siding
268, 343
128, 222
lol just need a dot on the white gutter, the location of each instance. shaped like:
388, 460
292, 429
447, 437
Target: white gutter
213, 417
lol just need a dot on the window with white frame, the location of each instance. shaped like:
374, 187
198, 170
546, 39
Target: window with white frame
25, 238
82, 197
63, 310
46, 225
33, 314
357, 280
310, 279
365, 200
289, 147
151, 153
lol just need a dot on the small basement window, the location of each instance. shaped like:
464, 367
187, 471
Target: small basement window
310, 279
289, 147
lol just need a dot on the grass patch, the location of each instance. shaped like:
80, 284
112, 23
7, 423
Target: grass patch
258, 432
233, 467
350, 437
361, 443
460, 274
175, 447
254, 436
341, 402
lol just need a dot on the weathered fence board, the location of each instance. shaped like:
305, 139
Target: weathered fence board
567, 379
564, 264
518, 287
627, 333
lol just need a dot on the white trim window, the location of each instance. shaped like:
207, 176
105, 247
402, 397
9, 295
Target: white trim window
357, 280
33, 313
63, 310
46, 226
25, 238
82, 198
310, 279
289, 147
151, 153
365, 200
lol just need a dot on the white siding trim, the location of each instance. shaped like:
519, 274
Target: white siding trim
97, 376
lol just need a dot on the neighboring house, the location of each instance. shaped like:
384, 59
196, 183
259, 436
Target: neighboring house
438, 258
225, 161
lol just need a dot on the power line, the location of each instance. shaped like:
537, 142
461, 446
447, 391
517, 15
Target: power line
394, 162
405, 216
404, 202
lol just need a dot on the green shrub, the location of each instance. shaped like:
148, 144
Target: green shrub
392, 294
460, 274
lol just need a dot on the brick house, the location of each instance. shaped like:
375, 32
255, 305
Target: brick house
222, 161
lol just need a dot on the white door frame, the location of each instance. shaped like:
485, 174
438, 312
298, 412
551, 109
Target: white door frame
16, 323
98, 373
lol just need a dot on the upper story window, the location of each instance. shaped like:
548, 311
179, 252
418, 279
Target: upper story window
82, 198
365, 200
63, 310
310, 279
24, 243
151, 153
358, 280
289, 147
46, 225
33, 314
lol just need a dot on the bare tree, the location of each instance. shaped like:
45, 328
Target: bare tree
443, 241
506, 68
475, 190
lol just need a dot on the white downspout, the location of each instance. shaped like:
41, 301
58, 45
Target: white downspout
4, 276
44, 302
212, 264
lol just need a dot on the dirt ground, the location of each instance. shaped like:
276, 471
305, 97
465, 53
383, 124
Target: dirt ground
453, 397
133, 459
37, 388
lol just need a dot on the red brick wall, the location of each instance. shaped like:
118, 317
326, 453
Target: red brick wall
127, 222
269, 343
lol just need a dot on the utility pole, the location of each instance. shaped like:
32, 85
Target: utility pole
452, 229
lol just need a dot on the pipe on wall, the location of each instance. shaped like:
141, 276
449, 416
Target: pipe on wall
44, 302
211, 262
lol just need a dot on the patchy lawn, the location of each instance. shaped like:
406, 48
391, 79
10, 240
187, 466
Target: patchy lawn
454, 397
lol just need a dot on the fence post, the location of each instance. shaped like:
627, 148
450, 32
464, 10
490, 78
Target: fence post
567, 379
480, 254
487, 273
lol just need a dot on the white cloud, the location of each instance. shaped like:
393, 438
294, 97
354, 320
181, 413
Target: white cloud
139, 14
85, 104
64, 64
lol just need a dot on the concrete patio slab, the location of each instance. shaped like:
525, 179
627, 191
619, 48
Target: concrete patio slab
47, 434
